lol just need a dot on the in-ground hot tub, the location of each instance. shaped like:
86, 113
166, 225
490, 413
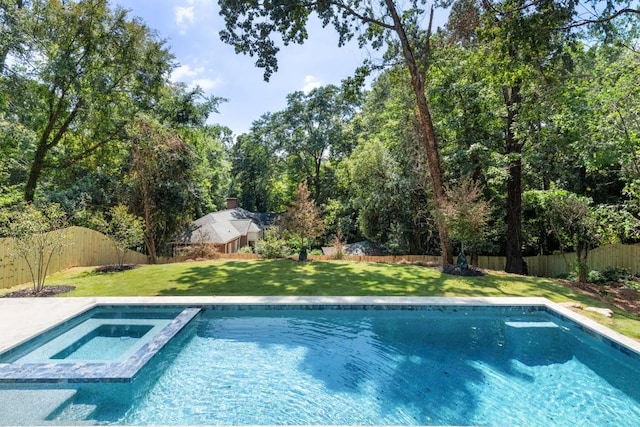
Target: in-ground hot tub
107, 343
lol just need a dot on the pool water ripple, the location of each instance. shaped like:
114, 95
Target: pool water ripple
290, 366
339, 368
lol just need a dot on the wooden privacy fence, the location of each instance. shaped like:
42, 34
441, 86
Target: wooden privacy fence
88, 248
85, 247
609, 256
604, 257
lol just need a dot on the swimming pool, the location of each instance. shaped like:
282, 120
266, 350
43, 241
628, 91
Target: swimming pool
364, 362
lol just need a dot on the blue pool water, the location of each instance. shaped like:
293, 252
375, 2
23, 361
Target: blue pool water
466, 366
105, 342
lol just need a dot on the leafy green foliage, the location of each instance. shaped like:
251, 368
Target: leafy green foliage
37, 235
570, 219
520, 98
375, 180
259, 176
300, 143
610, 275
383, 182
312, 134
245, 250
79, 73
302, 219
251, 28
272, 246
126, 231
466, 214
160, 171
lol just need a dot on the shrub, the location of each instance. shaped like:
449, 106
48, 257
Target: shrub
610, 275
617, 274
338, 247
594, 276
245, 250
272, 246
38, 233
466, 214
125, 229
200, 250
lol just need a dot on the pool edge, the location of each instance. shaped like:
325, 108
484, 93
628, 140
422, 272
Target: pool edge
82, 304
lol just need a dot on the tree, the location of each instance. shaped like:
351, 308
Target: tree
467, 214
609, 122
126, 231
523, 42
313, 132
37, 235
212, 175
302, 219
572, 222
379, 193
383, 180
16, 144
160, 173
12, 13
258, 171
79, 71
250, 28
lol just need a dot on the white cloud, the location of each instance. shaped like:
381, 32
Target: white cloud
185, 72
195, 76
190, 12
184, 17
206, 84
310, 83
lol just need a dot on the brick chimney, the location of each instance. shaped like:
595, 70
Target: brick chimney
232, 203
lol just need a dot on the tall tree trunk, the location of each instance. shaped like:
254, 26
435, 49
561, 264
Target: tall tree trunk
149, 234
316, 179
35, 171
140, 159
513, 150
44, 145
427, 132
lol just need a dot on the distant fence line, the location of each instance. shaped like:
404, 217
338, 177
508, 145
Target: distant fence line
609, 256
88, 248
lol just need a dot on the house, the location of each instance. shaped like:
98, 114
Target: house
227, 230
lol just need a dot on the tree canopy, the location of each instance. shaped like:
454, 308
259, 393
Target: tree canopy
530, 108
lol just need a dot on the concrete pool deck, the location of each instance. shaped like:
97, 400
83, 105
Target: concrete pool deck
23, 318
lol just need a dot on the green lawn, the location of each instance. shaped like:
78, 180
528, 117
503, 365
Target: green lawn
286, 277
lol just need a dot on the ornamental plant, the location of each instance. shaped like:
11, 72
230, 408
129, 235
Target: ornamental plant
302, 219
38, 234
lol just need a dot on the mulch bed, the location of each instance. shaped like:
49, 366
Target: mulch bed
115, 268
470, 271
47, 291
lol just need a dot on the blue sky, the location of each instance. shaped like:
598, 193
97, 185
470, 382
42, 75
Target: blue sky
191, 29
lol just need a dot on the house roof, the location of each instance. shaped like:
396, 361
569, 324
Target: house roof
245, 226
226, 226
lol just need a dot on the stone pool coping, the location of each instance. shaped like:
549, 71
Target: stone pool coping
24, 318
